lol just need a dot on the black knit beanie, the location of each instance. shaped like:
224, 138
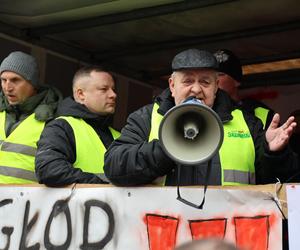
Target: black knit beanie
229, 64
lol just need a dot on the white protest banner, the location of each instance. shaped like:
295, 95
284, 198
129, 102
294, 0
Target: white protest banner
293, 199
139, 218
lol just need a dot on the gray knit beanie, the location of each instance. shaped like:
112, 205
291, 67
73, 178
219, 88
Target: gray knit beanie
22, 64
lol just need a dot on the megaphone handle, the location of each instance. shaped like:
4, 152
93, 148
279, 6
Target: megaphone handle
205, 187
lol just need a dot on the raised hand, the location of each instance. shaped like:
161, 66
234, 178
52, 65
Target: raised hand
278, 137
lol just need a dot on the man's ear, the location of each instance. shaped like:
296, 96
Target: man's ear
79, 95
217, 85
171, 85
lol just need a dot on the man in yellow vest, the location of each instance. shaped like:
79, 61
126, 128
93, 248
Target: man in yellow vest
72, 147
230, 79
248, 155
25, 106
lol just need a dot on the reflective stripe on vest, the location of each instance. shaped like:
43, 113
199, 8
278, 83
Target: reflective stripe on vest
237, 168
17, 151
237, 154
89, 148
262, 114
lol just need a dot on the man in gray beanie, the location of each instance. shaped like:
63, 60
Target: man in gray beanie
25, 106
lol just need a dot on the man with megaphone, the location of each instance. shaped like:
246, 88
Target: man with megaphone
153, 144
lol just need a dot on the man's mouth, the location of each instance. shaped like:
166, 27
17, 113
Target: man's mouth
10, 96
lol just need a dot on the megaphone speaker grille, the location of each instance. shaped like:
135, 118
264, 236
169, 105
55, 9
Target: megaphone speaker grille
191, 133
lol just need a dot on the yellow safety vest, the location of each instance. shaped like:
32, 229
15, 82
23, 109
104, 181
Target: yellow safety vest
262, 114
89, 148
237, 153
17, 151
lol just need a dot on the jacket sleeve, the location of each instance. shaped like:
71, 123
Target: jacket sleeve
270, 166
131, 159
55, 156
283, 166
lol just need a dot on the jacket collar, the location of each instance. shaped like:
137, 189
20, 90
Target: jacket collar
69, 107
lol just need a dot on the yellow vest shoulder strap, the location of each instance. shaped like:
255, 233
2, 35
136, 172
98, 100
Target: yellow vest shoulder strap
156, 119
262, 114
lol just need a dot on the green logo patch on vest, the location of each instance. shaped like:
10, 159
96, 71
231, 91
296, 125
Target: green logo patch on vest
239, 134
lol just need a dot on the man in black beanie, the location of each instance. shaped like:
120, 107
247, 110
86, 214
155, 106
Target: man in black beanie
25, 107
230, 79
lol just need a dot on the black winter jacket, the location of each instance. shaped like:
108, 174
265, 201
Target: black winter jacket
249, 105
57, 150
132, 160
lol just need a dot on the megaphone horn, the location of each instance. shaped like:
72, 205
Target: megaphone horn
191, 132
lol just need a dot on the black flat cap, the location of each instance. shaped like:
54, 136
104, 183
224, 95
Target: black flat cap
194, 59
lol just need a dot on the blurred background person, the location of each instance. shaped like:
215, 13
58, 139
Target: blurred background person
207, 244
230, 79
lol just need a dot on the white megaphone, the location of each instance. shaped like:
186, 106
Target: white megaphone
191, 132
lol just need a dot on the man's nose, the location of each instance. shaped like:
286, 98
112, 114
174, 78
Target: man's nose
8, 86
196, 88
112, 94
